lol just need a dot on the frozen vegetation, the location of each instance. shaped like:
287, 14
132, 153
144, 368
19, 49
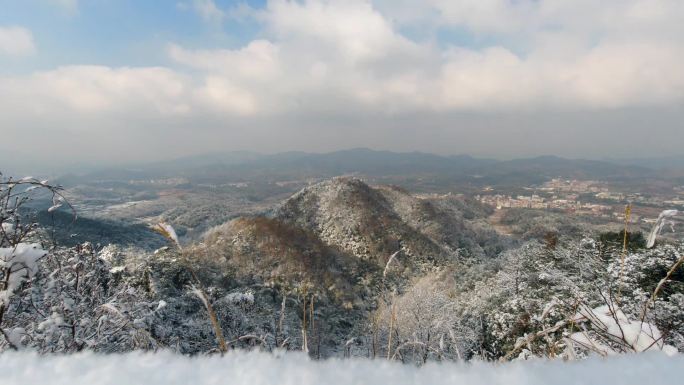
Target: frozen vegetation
340, 270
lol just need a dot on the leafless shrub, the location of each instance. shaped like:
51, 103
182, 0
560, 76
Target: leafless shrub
424, 324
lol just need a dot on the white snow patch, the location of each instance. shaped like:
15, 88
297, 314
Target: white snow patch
238, 298
641, 336
162, 304
22, 262
14, 337
237, 368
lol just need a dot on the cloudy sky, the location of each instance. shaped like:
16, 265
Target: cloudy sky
130, 80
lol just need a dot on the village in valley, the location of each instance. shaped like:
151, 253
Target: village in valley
586, 197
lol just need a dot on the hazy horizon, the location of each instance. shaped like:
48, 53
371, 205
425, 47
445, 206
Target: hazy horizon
53, 169
117, 82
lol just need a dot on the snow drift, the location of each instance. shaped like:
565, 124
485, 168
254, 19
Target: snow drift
292, 368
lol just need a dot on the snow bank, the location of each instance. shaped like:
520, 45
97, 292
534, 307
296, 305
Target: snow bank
239, 368
613, 325
21, 260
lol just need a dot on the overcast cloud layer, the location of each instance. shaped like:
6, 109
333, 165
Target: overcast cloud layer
502, 78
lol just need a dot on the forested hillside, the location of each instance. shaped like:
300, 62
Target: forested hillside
341, 269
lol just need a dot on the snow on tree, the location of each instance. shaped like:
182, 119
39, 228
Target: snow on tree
58, 299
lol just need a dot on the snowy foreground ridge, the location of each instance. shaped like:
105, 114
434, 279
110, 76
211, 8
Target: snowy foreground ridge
240, 368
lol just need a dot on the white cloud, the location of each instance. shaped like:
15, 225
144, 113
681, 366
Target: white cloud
257, 60
208, 10
348, 54
323, 62
16, 41
352, 27
609, 75
96, 90
231, 78
219, 94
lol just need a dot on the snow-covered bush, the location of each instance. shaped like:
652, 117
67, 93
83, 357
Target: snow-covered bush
19, 256
56, 299
423, 324
610, 331
75, 301
526, 304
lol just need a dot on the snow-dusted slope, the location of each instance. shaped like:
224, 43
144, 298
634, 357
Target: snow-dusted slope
348, 213
296, 369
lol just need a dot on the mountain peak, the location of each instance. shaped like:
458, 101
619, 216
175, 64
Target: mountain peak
357, 218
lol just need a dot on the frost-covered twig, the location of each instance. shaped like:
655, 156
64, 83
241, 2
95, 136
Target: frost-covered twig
532, 337
660, 285
251, 337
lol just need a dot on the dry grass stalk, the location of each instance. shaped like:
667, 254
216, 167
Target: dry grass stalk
660, 285
393, 316
376, 321
169, 233
212, 317
305, 342
281, 320
312, 322
623, 254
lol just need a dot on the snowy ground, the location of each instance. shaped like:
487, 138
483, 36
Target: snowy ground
295, 369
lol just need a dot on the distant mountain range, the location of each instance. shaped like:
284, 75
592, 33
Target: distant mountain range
662, 163
249, 166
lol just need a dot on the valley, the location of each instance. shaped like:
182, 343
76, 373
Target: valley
360, 264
